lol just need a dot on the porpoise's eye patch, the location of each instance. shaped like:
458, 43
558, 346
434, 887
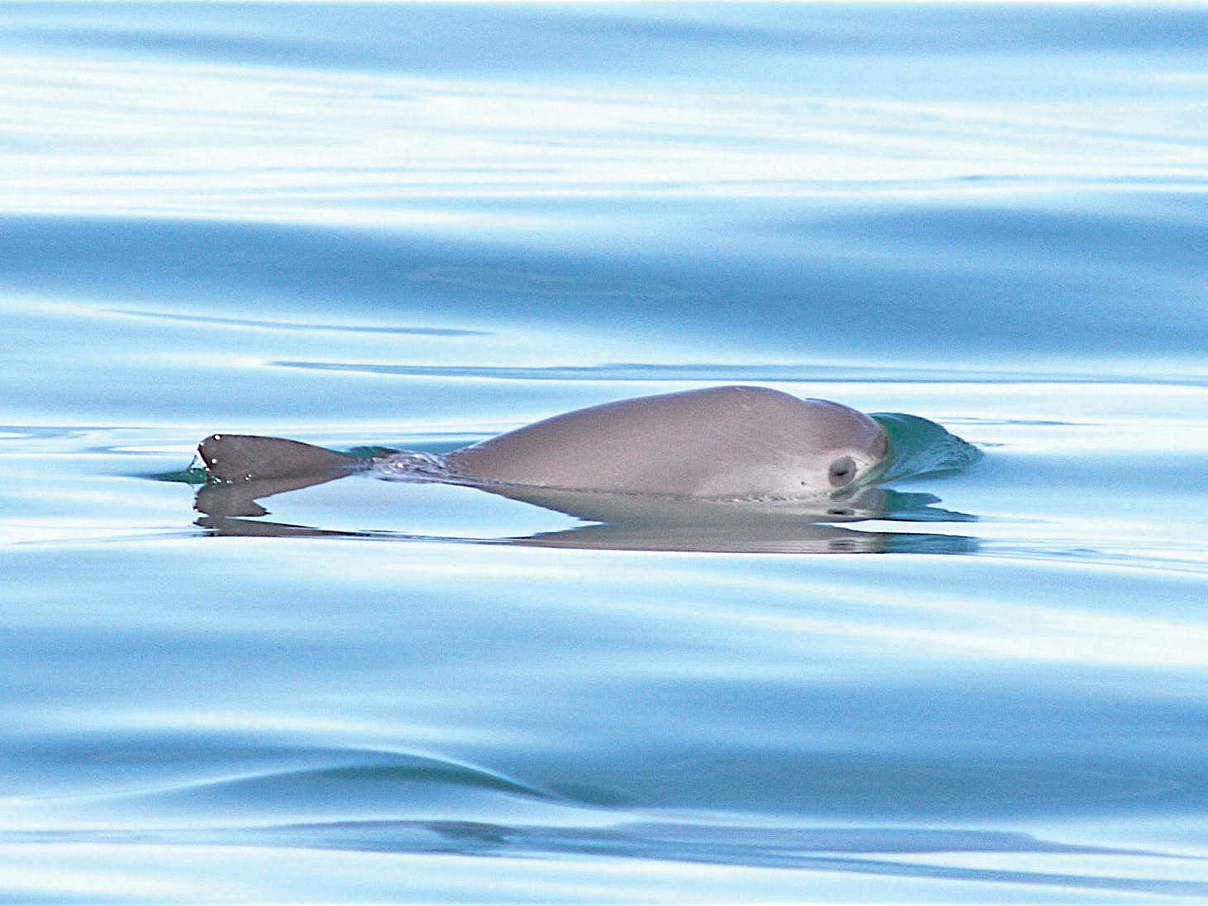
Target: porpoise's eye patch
842, 471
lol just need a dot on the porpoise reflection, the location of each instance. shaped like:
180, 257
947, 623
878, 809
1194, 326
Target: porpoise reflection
725, 468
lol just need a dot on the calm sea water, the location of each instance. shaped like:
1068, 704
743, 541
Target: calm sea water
416, 226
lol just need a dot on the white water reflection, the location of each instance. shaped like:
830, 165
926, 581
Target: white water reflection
308, 145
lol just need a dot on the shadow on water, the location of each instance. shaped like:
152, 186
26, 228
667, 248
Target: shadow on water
912, 264
446, 39
645, 522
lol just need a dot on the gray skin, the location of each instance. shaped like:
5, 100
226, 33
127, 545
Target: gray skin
248, 457
714, 443
717, 443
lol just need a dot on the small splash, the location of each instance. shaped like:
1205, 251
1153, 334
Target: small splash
413, 465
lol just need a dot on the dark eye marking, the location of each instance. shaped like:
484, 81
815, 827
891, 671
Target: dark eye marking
842, 471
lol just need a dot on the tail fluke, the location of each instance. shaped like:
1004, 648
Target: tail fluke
246, 457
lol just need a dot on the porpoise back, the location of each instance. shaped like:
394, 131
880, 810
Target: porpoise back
718, 442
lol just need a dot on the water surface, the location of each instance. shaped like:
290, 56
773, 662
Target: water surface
416, 226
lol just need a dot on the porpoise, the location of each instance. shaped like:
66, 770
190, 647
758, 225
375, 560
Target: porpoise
720, 442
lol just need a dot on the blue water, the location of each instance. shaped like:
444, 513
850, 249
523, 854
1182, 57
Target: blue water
416, 226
